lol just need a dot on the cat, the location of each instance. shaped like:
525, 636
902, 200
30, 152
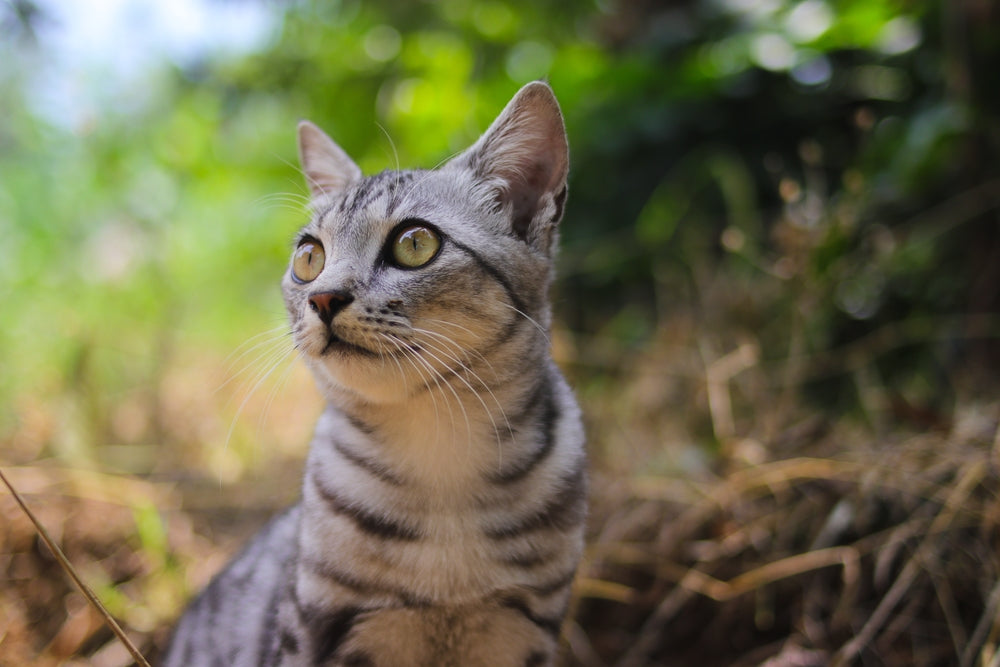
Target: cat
444, 496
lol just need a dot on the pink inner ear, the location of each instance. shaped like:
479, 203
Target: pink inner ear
524, 197
525, 153
327, 168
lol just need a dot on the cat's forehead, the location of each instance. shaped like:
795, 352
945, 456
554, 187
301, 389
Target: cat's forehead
377, 203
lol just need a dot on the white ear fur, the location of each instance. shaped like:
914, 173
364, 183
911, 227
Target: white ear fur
327, 168
523, 159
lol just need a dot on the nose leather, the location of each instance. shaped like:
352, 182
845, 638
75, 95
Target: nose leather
328, 304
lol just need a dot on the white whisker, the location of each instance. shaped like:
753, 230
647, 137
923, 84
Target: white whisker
276, 388
406, 352
523, 314
465, 353
294, 202
496, 430
392, 145
274, 359
271, 337
437, 374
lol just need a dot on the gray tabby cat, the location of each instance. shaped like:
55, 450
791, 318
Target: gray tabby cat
441, 520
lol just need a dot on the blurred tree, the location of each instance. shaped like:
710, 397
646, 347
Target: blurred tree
840, 156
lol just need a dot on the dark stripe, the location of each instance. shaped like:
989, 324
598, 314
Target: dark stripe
374, 468
557, 584
536, 659
338, 577
287, 643
550, 415
510, 336
395, 197
375, 525
319, 219
493, 272
329, 630
560, 201
363, 588
189, 644
358, 423
293, 592
213, 595
526, 561
348, 205
358, 659
344, 200
564, 510
371, 189
551, 626
265, 643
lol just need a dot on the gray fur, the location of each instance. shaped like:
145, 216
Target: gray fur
441, 520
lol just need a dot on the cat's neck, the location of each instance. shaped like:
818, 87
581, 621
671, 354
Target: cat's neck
453, 431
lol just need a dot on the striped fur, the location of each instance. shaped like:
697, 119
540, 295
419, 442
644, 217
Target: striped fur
442, 510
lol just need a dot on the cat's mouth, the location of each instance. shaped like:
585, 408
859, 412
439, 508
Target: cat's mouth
337, 345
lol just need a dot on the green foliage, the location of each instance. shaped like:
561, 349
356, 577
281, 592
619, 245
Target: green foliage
791, 143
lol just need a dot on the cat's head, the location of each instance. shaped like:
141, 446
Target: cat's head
405, 276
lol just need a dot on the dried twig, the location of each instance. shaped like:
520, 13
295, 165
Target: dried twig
973, 475
987, 621
69, 570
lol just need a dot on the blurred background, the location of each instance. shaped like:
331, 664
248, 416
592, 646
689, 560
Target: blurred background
778, 301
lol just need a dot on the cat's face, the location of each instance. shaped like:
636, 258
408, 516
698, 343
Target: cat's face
405, 277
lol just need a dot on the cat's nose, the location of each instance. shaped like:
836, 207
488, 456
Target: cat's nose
328, 304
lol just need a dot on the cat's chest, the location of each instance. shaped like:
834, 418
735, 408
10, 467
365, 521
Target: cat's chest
433, 545
490, 635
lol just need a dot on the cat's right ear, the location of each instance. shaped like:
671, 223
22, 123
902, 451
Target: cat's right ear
521, 162
327, 168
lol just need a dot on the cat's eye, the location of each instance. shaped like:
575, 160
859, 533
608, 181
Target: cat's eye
308, 261
414, 246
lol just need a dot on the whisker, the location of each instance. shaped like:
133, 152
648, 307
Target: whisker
289, 196
392, 144
250, 349
472, 389
447, 158
306, 197
448, 323
496, 430
276, 388
293, 202
429, 172
406, 354
465, 353
274, 361
437, 374
523, 314
278, 329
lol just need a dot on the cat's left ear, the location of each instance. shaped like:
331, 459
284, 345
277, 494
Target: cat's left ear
522, 161
327, 168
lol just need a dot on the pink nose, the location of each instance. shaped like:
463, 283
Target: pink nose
328, 304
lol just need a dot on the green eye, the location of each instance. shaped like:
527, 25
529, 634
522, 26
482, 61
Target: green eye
308, 261
414, 246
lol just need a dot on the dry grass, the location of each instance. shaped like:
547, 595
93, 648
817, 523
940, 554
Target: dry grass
802, 540
809, 539
887, 554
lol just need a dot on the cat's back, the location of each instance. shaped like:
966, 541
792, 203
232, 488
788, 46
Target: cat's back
232, 616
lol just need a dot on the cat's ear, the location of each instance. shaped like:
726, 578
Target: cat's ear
327, 168
522, 161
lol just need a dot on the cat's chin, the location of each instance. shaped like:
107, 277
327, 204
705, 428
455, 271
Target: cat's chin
365, 377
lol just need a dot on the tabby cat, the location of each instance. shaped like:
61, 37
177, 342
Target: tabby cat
442, 510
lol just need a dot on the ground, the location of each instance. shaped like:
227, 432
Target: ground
801, 539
